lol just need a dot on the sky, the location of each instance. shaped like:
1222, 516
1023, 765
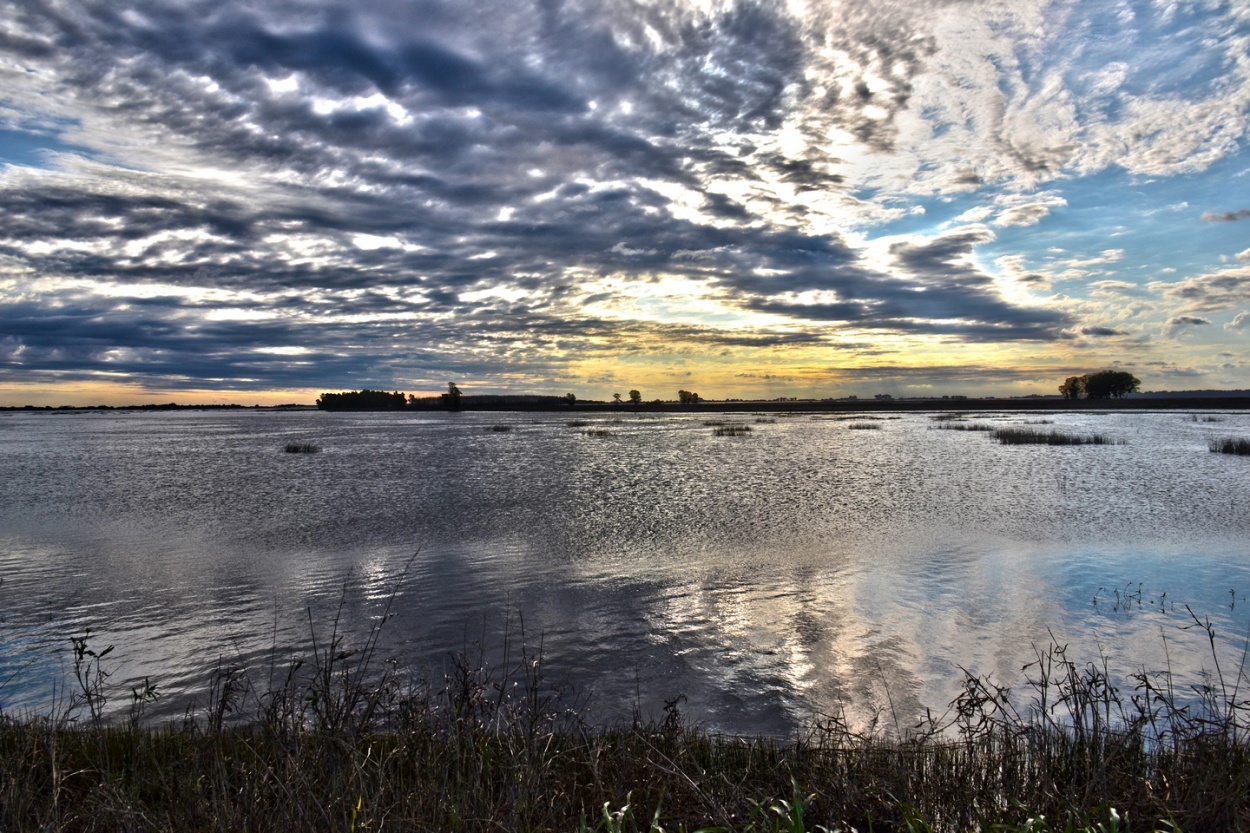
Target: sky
257, 202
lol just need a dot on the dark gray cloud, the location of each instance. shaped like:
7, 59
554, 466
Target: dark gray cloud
926, 380
1101, 332
1226, 216
1208, 293
1180, 325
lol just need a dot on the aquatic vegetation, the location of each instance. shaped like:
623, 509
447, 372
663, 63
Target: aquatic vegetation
341, 739
1231, 445
731, 429
1032, 436
961, 426
577, 423
500, 429
864, 426
599, 432
301, 448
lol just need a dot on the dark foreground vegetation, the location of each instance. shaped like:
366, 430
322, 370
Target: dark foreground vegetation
338, 741
301, 448
1231, 445
1034, 436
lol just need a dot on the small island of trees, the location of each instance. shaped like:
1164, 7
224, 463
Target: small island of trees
1106, 384
362, 400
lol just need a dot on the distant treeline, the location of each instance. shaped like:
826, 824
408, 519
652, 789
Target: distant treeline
380, 400
168, 406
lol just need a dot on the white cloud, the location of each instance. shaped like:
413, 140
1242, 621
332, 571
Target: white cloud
1026, 209
1239, 323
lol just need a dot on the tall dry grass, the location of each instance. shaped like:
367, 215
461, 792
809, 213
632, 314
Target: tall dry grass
339, 739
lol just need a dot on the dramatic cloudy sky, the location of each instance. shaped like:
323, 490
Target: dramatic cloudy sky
255, 202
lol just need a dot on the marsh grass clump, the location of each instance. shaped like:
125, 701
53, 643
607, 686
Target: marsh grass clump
599, 432
961, 426
577, 423
1231, 445
1205, 418
731, 429
863, 426
500, 429
1032, 436
301, 448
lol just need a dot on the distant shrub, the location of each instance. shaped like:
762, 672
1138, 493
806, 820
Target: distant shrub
1231, 445
1031, 436
301, 448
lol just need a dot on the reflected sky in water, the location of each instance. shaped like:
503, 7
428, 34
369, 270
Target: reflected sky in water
803, 569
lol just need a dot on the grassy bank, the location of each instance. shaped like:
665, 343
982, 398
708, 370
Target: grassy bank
344, 743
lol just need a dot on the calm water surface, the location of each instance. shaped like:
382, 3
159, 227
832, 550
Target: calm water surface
806, 568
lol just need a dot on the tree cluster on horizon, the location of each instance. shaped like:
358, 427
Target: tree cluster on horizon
362, 400
1106, 384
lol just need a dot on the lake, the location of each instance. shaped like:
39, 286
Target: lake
811, 566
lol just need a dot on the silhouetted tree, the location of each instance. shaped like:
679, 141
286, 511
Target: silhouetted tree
1073, 387
362, 400
452, 397
571, 399
1107, 384
687, 397
616, 398
635, 397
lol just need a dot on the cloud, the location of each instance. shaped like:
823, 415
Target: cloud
1025, 209
1101, 332
1241, 322
404, 190
1111, 289
934, 288
1210, 292
1225, 217
1182, 325
765, 377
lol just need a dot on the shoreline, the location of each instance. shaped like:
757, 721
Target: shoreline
979, 405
